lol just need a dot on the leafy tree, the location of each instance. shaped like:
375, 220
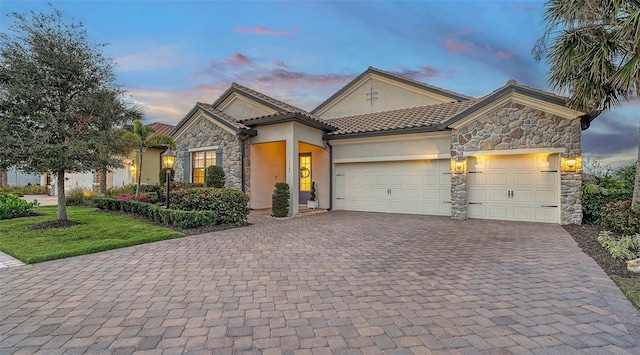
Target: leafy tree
59, 103
142, 135
593, 48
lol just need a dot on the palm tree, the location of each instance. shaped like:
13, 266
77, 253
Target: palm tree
592, 47
144, 139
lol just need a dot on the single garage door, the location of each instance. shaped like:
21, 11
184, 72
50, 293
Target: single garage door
417, 186
516, 187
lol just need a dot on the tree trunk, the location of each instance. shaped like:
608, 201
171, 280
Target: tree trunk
139, 172
62, 200
4, 178
636, 186
103, 181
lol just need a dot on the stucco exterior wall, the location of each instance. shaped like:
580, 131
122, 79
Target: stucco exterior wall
516, 126
401, 147
240, 109
268, 168
386, 96
204, 133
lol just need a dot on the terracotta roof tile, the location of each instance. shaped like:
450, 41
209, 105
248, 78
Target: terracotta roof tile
160, 128
421, 116
281, 105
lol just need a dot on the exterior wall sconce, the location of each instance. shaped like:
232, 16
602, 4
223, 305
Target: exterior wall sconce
459, 166
570, 164
132, 168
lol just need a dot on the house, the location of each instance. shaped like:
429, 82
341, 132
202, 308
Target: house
387, 143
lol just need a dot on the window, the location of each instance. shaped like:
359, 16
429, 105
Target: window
200, 162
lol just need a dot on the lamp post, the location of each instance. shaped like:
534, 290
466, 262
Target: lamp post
167, 161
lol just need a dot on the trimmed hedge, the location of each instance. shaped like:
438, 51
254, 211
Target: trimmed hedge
171, 217
232, 206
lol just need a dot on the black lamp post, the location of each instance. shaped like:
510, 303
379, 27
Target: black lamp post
167, 161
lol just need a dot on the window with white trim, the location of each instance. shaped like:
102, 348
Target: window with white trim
200, 161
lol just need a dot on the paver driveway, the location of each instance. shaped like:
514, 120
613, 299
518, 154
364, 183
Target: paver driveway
338, 282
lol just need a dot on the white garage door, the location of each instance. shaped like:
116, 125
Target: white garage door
418, 187
516, 187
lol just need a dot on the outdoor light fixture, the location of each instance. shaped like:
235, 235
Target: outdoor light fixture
571, 164
167, 161
458, 166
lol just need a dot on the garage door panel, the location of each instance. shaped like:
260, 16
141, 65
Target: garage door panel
420, 187
517, 187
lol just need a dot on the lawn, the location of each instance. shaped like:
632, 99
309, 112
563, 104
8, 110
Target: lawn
96, 232
630, 287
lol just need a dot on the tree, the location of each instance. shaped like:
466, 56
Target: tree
144, 139
59, 103
592, 47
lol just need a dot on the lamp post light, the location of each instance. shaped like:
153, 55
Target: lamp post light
168, 157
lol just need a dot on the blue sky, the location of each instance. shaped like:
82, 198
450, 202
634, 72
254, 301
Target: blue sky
171, 54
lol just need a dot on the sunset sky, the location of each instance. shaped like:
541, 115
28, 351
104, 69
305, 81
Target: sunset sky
171, 54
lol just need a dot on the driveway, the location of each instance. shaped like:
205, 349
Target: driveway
330, 283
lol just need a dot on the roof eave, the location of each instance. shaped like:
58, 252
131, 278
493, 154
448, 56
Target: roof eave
390, 132
183, 120
288, 117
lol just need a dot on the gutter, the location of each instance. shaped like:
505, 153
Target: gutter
330, 175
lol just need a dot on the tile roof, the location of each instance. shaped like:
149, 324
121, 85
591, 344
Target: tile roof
304, 117
413, 117
160, 128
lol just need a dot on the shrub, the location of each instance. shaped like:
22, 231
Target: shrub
214, 177
175, 218
595, 197
78, 196
163, 176
621, 218
122, 190
12, 206
280, 200
141, 198
312, 195
626, 247
230, 205
35, 189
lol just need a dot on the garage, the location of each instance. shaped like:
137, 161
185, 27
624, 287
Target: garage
515, 187
414, 186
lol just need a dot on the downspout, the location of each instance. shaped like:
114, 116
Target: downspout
330, 174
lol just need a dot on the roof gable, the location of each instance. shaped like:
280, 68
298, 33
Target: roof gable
216, 116
422, 93
267, 102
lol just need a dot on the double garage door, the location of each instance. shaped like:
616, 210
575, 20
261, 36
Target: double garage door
417, 186
516, 187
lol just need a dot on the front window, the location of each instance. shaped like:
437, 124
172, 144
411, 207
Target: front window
200, 162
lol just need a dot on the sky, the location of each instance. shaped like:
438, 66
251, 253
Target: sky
171, 54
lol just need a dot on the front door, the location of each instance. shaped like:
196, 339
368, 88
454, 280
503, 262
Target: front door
305, 178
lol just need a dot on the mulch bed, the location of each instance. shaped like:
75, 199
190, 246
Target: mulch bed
586, 237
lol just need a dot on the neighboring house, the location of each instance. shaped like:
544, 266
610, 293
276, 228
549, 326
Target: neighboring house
386, 143
18, 178
151, 166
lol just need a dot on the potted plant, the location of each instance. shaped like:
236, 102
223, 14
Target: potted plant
312, 203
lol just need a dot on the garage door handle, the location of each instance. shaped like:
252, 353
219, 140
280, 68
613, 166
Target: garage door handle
475, 203
550, 206
475, 172
549, 171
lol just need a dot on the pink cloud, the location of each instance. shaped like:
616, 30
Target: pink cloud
505, 55
458, 47
259, 30
239, 58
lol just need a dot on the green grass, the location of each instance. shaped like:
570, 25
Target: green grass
631, 288
97, 232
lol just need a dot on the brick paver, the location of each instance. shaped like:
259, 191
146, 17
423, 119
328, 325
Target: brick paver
337, 282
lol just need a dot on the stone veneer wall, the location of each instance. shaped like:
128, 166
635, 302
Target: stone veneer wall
204, 133
515, 126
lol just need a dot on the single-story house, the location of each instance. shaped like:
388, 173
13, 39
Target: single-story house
387, 143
